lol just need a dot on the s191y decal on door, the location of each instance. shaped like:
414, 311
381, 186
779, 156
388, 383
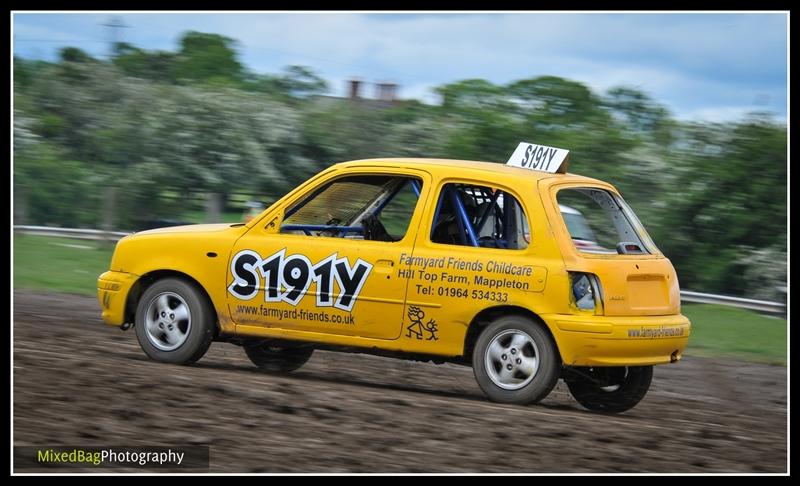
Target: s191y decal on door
287, 278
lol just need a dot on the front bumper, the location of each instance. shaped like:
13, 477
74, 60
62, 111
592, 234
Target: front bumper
112, 293
619, 341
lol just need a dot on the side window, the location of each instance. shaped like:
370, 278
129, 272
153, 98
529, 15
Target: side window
369, 207
473, 215
396, 216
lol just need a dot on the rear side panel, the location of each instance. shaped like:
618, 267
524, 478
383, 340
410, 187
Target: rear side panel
631, 285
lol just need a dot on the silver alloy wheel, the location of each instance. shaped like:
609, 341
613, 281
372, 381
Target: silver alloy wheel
512, 359
168, 321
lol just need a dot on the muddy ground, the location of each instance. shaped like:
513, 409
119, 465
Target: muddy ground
79, 382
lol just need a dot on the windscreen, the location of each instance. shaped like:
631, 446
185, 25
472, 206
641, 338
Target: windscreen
339, 202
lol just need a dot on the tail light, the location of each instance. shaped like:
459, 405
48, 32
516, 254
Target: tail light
586, 291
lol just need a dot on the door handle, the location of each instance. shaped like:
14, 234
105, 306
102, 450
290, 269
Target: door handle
385, 267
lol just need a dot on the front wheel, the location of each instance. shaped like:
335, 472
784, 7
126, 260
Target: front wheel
609, 389
277, 358
515, 361
174, 322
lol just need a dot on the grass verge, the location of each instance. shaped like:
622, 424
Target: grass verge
59, 264
736, 333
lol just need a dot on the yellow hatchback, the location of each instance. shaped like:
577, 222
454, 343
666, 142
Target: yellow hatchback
522, 271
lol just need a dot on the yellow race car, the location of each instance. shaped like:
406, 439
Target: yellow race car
522, 271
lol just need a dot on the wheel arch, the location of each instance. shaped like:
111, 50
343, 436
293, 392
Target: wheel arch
149, 279
486, 316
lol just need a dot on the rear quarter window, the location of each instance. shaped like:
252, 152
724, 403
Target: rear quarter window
601, 222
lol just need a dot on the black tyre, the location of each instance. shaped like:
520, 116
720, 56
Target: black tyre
277, 357
516, 361
609, 389
174, 322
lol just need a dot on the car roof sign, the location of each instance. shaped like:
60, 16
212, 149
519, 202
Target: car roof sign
539, 157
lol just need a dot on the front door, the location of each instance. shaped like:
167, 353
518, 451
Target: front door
332, 265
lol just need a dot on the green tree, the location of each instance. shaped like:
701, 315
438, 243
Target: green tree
301, 82
564, 113
73, 54
208, 57
74, 64
56, 191
155, 65
637, 110
485, 120
555, 102
294, 83
472, 94
728, 202
26, 71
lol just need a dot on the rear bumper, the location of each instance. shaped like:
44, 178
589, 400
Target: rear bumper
112, 293
619, 341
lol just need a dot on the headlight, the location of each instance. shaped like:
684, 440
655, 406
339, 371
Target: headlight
585, 289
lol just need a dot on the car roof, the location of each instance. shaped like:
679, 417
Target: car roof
445, 167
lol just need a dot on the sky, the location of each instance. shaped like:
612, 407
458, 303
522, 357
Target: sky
702, 66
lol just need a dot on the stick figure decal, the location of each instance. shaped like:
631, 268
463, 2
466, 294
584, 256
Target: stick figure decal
417, 327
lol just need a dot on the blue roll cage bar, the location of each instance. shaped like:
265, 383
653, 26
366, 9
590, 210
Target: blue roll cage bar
468, 235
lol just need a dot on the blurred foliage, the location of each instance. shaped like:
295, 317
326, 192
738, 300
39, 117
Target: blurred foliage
135, 62
73, 54
165, 127
295, 82
207, 57
731, 205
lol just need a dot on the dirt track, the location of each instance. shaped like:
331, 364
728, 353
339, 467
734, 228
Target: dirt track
79, 382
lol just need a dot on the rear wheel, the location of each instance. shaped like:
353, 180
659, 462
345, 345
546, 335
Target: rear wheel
174, 322
515, 361
277, 357
609, 389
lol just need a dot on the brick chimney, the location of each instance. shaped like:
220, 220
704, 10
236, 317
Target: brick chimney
354, 88
386, 91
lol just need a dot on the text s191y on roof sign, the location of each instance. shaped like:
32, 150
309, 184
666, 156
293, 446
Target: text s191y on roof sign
539, 157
